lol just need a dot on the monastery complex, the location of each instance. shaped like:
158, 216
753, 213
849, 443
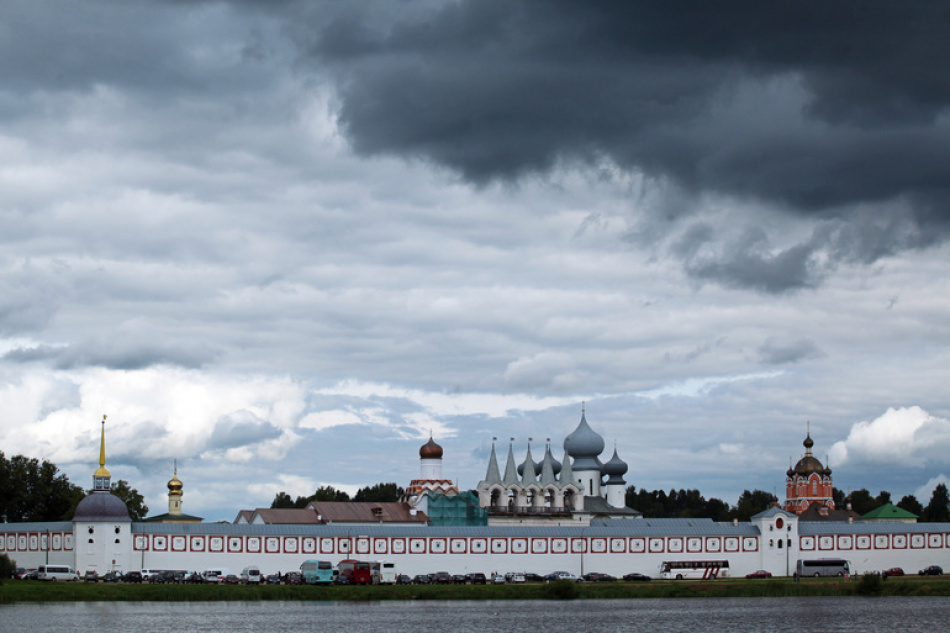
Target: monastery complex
540, 516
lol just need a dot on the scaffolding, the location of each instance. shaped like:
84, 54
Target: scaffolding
455, 510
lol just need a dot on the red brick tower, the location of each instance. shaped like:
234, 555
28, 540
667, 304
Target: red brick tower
808, 482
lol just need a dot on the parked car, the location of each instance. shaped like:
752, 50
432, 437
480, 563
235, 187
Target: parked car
561, 575
458, 579
293, 578
420, 579
932, 570
497, 579
91, 576
442, 578
403, 579
894, 571
233, 579
193, 578
23, 573
340, 579
761, 573
111, 576
476, 578
595, 576
636, 577
272, 579
132, 576
149, 574
532, 577
515, 577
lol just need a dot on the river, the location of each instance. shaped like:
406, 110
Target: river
668, 615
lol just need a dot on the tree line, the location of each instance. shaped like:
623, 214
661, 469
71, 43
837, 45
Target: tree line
34, 490
380, 493
691, 504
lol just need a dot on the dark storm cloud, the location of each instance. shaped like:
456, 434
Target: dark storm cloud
110, 356
815, 107
240, 429
778, 352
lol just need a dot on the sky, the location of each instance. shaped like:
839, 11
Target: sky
281, 243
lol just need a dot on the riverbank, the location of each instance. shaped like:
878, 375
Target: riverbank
34, 591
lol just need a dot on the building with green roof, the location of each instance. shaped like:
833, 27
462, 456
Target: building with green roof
890, 512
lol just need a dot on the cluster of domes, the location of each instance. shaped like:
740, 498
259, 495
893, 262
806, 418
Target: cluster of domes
808, 464
585, 445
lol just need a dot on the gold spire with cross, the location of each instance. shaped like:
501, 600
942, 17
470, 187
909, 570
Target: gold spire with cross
102, 472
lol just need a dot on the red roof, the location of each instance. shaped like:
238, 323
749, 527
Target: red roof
321, 512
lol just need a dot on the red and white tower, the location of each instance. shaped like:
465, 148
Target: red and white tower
808, 482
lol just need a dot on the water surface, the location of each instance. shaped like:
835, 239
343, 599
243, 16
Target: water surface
668, 615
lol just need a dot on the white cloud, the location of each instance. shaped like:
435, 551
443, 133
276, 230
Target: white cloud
907, 436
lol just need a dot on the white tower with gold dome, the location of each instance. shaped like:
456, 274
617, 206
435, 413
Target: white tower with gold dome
102, 527
174, 494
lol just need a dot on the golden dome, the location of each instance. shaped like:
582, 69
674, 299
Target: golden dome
174, 484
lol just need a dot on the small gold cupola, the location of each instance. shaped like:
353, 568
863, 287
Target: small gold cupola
174, 493
174, 484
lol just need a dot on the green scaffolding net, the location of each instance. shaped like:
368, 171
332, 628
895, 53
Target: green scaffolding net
455, 510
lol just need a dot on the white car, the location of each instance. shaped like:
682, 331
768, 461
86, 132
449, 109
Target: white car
562, 575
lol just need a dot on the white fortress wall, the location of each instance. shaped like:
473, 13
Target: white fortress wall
632, 546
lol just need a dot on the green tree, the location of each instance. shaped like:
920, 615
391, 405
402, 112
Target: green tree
751, 503
380, 493
717, 509
882, 498
7, 567
838, 497
328, 493
31, 490
862, 502
134, 501
910, 503
938, 510
282, 500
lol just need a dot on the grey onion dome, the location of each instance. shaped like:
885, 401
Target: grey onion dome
101, 506
584, 445
537, 467
615, 469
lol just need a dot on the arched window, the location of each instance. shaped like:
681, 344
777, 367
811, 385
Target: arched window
814, 487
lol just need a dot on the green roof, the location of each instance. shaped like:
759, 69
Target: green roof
889, 511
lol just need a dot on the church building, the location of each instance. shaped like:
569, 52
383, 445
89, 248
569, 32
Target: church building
808, 484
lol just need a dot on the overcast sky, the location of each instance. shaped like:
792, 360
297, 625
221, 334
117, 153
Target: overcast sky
282, 242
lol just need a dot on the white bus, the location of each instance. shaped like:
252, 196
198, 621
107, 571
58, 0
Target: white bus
694, 569
56, 572
383, 572
823, 567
